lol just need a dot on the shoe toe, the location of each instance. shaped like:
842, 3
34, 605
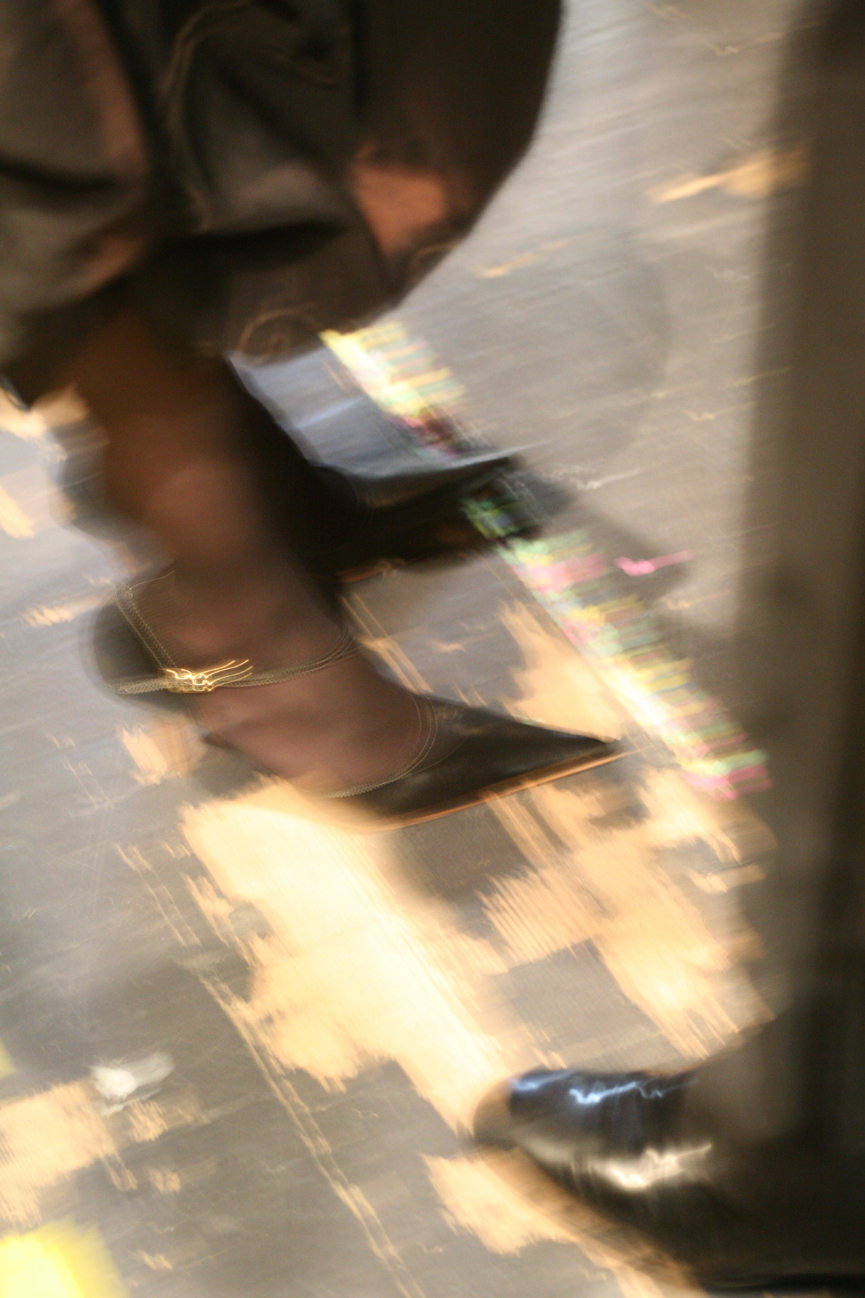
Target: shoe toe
493, 1124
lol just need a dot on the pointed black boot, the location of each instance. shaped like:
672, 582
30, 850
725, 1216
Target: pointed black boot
473, 755
405, 507
461, 756
410, 513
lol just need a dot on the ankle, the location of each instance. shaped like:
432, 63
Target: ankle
266, 613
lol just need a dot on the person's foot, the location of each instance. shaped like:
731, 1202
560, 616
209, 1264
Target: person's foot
472, 755
322, 716
410, 514
300, 701
405, 508
630, 1146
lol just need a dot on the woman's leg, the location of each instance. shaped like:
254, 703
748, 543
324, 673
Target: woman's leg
176, 463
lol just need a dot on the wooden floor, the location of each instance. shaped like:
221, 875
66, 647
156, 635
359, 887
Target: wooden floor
240, 1046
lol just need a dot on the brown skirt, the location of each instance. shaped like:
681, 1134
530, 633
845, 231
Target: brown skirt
199, 151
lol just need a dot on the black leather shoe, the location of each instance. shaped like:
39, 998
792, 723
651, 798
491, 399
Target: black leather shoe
471, 755
406, 479
627, 1145
462, 756
410, 512
400, 503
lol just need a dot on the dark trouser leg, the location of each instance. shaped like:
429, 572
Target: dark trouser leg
750, 1167
811, 1067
